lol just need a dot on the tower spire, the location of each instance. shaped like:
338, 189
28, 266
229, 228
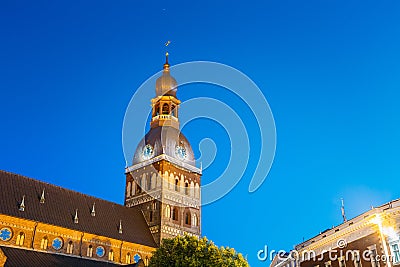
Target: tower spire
166, 64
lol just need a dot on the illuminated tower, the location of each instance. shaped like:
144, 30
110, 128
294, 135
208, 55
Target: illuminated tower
163, 180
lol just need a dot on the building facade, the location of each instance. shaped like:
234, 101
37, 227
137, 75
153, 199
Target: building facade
46, 225
371, 239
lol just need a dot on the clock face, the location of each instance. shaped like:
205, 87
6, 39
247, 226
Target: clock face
180, 152
147, 152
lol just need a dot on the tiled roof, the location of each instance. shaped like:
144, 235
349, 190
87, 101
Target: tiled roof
17, 257
60, 205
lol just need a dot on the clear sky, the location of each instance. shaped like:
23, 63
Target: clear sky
329, 70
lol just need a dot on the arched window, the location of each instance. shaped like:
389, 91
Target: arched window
154, 180
89, 251
138, 188
44, 243
165, 109
196, 190
175, 214
187, 188
194, 219
111, 255
20, 239
187, 218
191, 189
168, 211
70, 247
133, 191
151, 216
128, 258
157, 110
128, 189
150, 182
176, 185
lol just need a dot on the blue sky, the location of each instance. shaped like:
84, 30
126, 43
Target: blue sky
329, 70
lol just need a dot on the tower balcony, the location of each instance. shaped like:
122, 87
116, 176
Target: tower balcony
164, 117
165, 120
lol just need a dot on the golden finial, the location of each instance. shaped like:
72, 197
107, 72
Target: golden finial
166, 64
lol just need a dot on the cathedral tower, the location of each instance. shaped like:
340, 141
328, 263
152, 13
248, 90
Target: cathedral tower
163, 180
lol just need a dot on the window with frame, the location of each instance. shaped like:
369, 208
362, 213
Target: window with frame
175, 214
89, 252
194, 219
20, 239
165, 109
70, 247
168, 211
111, 255
395, 252
44, 243
187, 218
186, 188
128, 258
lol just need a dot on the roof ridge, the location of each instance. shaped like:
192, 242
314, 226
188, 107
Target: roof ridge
60, 187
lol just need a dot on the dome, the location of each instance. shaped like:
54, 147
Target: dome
166, 84
164, 140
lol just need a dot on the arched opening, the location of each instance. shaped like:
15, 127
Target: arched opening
194, 220
176, 185
89, 252
44, 243
151, 216
111, 255
70, 247
150, 182
138, 188
175, 214
196, 190
144, 182
20, 239
165, 109
128, 258
128, 189
186, 188
187, 218
168, 211
154, 181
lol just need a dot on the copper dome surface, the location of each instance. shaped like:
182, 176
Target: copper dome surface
166, 84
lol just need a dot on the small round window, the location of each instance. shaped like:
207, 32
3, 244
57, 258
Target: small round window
57, 243
5, 234
100, 251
